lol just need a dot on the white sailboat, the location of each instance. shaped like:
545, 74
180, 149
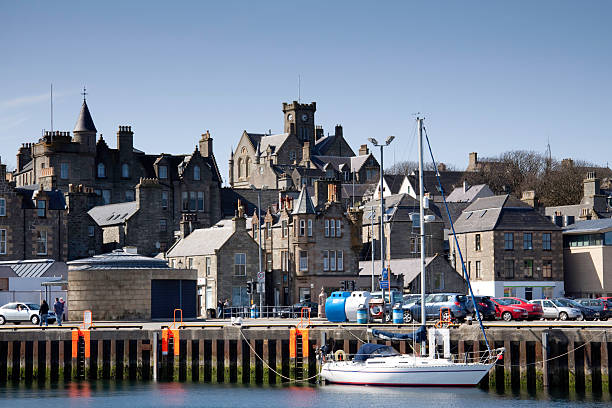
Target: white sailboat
377, 364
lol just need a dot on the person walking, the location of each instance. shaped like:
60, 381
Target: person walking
58, 307
220, 309
44, 313
226, 306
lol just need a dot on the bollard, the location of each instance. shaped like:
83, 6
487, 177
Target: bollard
362, 315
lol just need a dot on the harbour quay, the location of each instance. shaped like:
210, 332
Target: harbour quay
556, 357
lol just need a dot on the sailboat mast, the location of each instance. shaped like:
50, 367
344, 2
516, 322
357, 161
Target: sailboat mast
422, 219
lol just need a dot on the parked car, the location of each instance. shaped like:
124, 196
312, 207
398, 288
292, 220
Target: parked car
391, 298
454, 302
599, 305
295, 310
18, 312
534, 310
507, 311
485, 307
607, 302
586, 312
553, 309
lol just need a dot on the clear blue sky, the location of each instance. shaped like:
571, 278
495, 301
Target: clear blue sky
489, 76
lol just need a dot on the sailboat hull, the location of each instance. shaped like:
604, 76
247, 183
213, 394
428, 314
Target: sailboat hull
452, 375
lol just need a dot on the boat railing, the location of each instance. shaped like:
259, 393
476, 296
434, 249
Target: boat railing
468, 357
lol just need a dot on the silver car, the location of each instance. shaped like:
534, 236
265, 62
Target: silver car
18, 312
553, 309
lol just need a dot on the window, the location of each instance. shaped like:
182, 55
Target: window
528, 268
190, 263
332, 260
192, 201
303, 260
101, 170
129, 195
200, 201
508, 241
196, 173
332, 228
163, 226
284, 228
547, 268
207, 262
326, 260
478, 270
528, 293
125, 170
469, 269
2, 241
2, 207
41, 243
338, 228
477, 242
327, 228
340, 260
106, 196
240, 264
239, 168
163, 172
527, 240
284, 261
509, 268
547, 292
269, 261
302, 227
292, 155
41, 206
240, 297
164, 200
310, 228
91, 231
64, 171
269, 230
546, 241
185, 199
439, 280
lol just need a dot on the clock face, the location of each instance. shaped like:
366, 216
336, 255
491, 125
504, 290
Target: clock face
304, 117
289, 117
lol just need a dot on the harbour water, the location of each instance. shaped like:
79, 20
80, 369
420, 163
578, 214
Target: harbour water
150, 394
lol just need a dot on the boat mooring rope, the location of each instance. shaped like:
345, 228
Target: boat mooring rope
270, 368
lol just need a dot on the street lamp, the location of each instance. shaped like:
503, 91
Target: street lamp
382, 214
261, 287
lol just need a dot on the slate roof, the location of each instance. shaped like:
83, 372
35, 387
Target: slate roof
118, 259
35, 268
448, 179
355, 162
263, 140
410, 268
84, 122
398, 207
589, 227
321, 145
56, 198
203, 241
304, 203
113, 214
502, 212
459, 194
394, 182
248, 198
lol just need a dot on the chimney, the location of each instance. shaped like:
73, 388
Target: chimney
125, 141
363, 150
239, 220
441, 167
2, 172
206, 147
24, 155
306, 154
338, 131
473, 161
466, 187
188, 223
529, 197
591, 185
319, 132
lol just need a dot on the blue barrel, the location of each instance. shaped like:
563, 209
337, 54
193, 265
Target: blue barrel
398, 314
334, 307
362, 315
254, 313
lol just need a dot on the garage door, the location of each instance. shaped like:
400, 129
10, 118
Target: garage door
170, 294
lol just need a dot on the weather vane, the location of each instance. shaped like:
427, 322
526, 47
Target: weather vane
84, 93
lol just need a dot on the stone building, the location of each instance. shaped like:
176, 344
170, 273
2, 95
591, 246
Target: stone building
309, 243
188, 183
38, 223
123, 285
225, 256
272, 160
509, 249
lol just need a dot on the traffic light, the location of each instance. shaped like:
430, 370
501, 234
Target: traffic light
351, 285
249, 287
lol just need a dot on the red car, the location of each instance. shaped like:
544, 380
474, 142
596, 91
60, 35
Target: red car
534, 310
507, 311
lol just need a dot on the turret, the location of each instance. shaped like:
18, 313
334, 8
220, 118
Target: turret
85, 131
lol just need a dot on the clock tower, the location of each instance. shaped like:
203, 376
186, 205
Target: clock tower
300, 120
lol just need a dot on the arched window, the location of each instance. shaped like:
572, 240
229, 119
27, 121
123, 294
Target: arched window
196, 172
248, 167
125, 170
240, 168
101, 170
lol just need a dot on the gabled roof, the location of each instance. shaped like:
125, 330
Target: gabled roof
84, 122
203, 241
502, 212
394, 182
589, 227
248, 198
113, 214
448, 179
321, 145
355, 162
263, 140
29, 193
304, 203
468, 194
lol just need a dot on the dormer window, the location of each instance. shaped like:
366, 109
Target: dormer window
196, 173
41, 208
163, 172
101, 170
125, 170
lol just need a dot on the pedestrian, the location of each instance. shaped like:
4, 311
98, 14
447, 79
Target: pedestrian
44, 313
226, 306
220, 309
58, 308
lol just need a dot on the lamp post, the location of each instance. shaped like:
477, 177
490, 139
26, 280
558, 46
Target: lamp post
371, 228
261, 283
382, 214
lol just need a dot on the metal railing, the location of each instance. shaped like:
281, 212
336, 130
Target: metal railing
266, 312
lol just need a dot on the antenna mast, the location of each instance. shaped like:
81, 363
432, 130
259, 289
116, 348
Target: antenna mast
299, 88
52, 107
